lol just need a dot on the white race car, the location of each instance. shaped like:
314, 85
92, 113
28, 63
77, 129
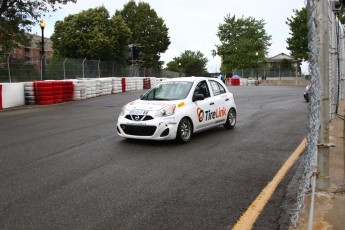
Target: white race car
177, 108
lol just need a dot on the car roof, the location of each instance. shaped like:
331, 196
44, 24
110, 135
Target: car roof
190, 79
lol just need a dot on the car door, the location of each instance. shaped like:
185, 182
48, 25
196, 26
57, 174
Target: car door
203, 109
219, 98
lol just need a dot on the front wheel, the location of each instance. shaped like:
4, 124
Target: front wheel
184, 131
231, 119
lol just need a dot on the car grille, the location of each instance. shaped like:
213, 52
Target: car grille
139, 130
139, 117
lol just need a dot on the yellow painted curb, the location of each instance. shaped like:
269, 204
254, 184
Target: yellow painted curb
249, 217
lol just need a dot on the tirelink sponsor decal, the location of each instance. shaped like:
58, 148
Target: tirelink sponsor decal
210, 115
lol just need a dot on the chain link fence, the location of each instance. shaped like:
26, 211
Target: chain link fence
25, 69
323, 64
22, 70
261, 72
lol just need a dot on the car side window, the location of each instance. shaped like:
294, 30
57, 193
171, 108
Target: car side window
221, 89
217, 88
202, 88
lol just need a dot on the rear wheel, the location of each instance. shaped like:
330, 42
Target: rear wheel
184, 131
231, 119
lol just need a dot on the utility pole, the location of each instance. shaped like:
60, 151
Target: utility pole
323, 180
42, 25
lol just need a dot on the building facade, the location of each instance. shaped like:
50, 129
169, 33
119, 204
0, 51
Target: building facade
277, 59
32, 53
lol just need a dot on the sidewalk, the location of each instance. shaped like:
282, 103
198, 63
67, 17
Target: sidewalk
329, 207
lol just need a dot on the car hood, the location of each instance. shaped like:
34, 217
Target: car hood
150, 105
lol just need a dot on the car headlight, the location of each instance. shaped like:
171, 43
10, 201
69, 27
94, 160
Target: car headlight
123, 111
166, 111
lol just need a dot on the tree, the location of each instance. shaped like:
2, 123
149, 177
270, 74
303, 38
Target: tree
189, 62
17, 18
92, 34
298, 42
341, 14
287, 65
174, 66
148, 30
240, 40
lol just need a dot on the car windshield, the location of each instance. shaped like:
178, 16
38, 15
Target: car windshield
172, 90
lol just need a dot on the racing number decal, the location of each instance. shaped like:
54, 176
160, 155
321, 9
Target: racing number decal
200, 114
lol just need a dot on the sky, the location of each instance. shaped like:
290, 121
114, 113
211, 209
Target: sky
193, 24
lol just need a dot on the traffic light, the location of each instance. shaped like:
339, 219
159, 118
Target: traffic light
135, 53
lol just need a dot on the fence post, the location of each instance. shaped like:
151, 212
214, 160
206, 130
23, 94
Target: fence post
336, 65
323, 180
280, 77
83, 68
8, 66
112, 69
99, 71
64, 68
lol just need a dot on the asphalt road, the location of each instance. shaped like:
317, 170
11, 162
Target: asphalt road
64, 166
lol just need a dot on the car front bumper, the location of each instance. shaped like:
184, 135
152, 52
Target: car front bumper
160, 128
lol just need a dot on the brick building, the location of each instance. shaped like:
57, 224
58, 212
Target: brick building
33, 52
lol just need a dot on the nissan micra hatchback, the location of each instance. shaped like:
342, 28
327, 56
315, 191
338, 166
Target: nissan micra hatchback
177, 108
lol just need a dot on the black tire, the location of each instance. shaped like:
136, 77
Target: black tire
231, 119
184, 131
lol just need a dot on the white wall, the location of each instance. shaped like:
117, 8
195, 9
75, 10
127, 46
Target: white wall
12, 95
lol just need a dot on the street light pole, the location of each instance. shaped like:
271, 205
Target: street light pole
257, 65
42, 25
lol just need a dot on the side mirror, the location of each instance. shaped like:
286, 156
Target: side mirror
198, 97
